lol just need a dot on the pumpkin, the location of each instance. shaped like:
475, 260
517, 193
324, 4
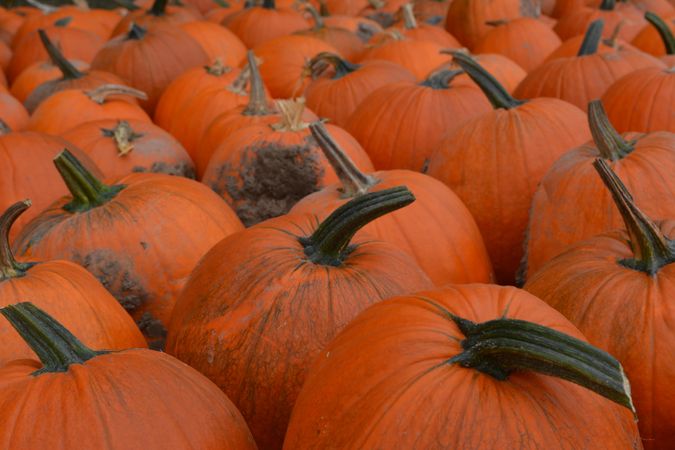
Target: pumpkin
422, 114
84, 397
653, 38
150, 59
556, 223
218, 42
576, 21
262, 304
10, 22
524, 40
571, 47
141, 237
12, 113
437, 230
260, 24
99, 23
71, 78
424, 31
508, 73
120, 147
363, 27
467, 19
160, 13
67, 109
667, 37
617, 288
462, 367
347, 43
39, 73
495, 161
263, 170
64, 289
431, 11
585, 77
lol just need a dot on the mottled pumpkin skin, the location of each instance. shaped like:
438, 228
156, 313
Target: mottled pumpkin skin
73, 297
556, 223
384, 382
255, 312
134, 399
142, 244
494, 163
625, 312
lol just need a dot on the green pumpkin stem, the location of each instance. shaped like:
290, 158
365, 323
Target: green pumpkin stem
589, 46
69, 71
4, 128
493, 90
607, 5
257, 99
10, 267
269, 4
321, 61
329, 244
441, 79
663, 30
609, 142
502, 346
316, 17
651, 248
158, 8
88, 191
136, 32
55, 346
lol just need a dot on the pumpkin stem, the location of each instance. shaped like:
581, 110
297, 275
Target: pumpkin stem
238, 86
651, 248
321, 61
496, 23
329, 244
123, 136
10, 267
218, 68
664, 31
257, 99
67, 69
316, 17
63, 21
493, 90
354, 182
44, 9
101, 93
136, 32
441, 79
609, 142
269, 4
607, 5
502, 346
88, 191
612, 41
589, 46
158, 8
54, 345
409, 20
291, 115
4, 128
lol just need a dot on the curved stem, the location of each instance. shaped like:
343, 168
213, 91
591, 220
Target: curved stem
10, 267
136, 32
329, 244
651, 248
441, 79
495, 92
607, 5
54, 345
609, 142
354, 182
589, 46
321, 61
316, 17
158, 8
503, 346
101, 93
257, 99
88, 191
269, 4
123, 136
409, 20
67, 69
664, 31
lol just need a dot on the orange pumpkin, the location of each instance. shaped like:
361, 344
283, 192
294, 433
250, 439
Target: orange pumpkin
347, 43
218, 42
424, 31
263, 303
571, 47
508, 73
576, 21
617, 288
84, 397
495, 161
259, 24
654, 37
467, 19
13, 115
140, 237
97, 22
39, 73
160, 13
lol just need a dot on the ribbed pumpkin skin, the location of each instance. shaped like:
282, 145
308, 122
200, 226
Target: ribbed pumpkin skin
12, 112
384, 382
73, 297
625, 312
128, 400
36, 74
576, 22
578, 80
256, 312
142, 244
174, 17
508, 73
255, 26
401, 124
419, 57
437, 229
494, 163
642, 101
556, 222
217, 42
466, 18
570, 47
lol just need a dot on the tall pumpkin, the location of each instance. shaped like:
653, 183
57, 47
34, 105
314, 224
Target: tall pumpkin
263, 303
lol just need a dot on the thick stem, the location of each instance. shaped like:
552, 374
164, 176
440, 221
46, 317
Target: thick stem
88, 191
10, 267
651, 248
503, 346
321, 61
123, 136
269, 4
607, 5
609, 142
495, 92
316, 17
589, 46
409, 20
664, 31
55, 346
354, 182
257, 98
136, 32
101, 93
441, 79
158, 8
67, 69
329, 244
